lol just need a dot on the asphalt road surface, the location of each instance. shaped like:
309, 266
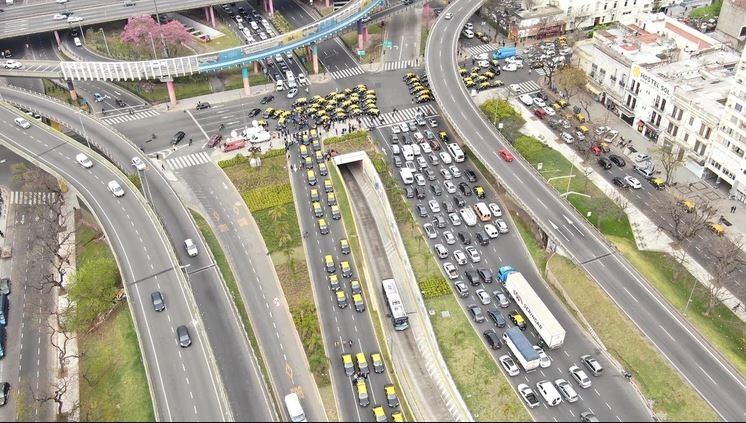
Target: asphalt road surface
699, 363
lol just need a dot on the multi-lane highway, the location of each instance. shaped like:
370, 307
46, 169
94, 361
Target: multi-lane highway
183, 382
698, 362
239, 373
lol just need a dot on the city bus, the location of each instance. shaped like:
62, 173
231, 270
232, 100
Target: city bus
396, 308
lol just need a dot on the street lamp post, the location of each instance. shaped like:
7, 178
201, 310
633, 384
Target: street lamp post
105, 43
689, 300
152, 43
82, 34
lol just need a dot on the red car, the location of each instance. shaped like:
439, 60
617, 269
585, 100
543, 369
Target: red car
596, 150
214, 140
506, 155
540, 113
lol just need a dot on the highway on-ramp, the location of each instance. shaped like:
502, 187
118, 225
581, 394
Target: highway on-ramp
183, 383
700, 364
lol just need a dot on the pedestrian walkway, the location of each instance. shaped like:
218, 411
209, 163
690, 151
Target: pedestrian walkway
346, 73
484, 48
528, 87
126, 117
33, 198
189, 160
404, 115
400, 64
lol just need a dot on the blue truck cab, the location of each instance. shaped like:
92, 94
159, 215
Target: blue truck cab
503, 272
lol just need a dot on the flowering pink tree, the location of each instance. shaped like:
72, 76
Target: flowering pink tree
171, 35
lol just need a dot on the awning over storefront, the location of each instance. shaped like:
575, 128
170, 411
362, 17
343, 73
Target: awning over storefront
592, 89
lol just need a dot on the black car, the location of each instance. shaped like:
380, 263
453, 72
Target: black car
492, 338
476, 313
485, 274
464, 237
267, 98
422, 210
542, 95
203, 105
409, 191
436, 189
470, 175
619, 182
604, 162
398, 162
496, 317
158, 303
459, 201
465, 189
254, 112
4, 392
420, 192
482, 238
429, 174
177, 138
5, 286
472, 278
448, 207
617, 160
120, 103
182, 335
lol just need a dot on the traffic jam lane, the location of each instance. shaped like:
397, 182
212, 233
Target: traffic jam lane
491, 259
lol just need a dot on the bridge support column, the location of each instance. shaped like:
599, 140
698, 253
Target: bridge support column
171, 92
256, 67
57, 38
207, 14
365, 34
245, 75
360, 34
326, 4
212, 17
271, 7
71, 88
315, 55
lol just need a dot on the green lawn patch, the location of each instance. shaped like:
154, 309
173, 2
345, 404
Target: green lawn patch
279, 226
266, 197
424, 33
115, 387
673, 399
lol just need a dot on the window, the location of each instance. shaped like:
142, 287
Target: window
738, 107
691, 121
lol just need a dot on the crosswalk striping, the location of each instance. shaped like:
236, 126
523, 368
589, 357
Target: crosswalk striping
483, 48
189, 160
400, 64
346, 73
33, 198
113, 120
528, 87
398, 116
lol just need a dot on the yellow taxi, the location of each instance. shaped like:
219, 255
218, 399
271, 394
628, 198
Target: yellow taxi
314, 194
331, 199
341, 299
687, 205
329, 264
658, 183
318, 211
348, 365
580, 117
379, 414
462, 71
346, 269
582, 128
397, 416
716, 228
362, 363
323, 227
362, 392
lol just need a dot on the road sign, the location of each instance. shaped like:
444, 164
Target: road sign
388, 44
361, 53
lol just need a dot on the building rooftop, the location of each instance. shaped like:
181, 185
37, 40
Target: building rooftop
539, 12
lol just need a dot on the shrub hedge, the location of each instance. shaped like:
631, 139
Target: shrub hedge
268, 196
237, 159
434, 286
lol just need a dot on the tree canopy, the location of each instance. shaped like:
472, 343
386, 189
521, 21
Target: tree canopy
144, 32
707, 12
92, 291
500, 111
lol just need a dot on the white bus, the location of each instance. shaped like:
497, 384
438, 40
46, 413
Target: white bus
396, 307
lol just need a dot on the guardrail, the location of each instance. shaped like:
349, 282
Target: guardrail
165, 69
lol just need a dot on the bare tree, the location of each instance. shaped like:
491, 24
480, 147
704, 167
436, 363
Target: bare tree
550, 69
60, 339
687, 220
727, 259
54, 242
585, 102
56, 394
669, 161
571, 81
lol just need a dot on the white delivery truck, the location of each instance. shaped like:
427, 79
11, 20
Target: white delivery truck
548, 328
456, 152
521, 348
295, 410
406, 176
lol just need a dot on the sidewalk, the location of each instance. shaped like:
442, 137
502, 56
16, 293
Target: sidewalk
647, 235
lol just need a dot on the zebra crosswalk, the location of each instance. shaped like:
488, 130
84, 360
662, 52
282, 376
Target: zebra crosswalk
398, 116
400, 64
483, 48
346, 73
32, 198
188, 160
113, 120
528, 87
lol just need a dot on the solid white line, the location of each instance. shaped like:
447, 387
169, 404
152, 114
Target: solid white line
189, 112
669, 335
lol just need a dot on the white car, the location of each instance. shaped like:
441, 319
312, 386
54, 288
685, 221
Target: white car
526, 99
567, 138
292, 92
450, 186
483, 296
404, 127
633, 182
495, 210
580, 377
473, 254
491, 230
420, 179
549, 110
72, 19
12, 64
455, 171
455, 219
446, 174
448, 16
190, 247
460, 257
83, 160
115, 188
483, 64
434, 206
430, 231
566, 390
528, 395
450, 270
549, 392
138, 164
445, 158
510, 67
21, 122
502, 227
423, 145
302, 79
516, 88
59, 17
509, 365
482, 56
544, 360
449, 238
538, 102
